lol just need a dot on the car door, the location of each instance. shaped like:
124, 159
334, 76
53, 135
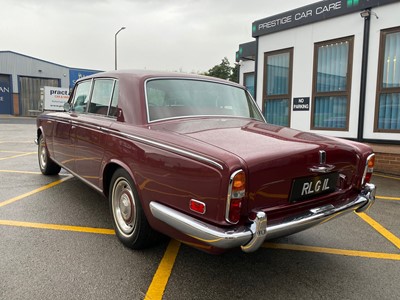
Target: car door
90, 132
63, 134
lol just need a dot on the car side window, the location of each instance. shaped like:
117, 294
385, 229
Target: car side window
101, 96
81, 96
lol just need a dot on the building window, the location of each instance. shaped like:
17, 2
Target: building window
388, 88
332, 84
248, 80
278, 69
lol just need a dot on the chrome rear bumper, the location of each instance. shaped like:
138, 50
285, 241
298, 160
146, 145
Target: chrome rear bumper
251, 237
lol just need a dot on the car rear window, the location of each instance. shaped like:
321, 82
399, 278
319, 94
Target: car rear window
173, 98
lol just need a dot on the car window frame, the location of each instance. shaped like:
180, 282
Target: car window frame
247, 93
114, 83
73, 99
92, 80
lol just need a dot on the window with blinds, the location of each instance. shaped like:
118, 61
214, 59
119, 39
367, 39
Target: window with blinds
278, 70
387, 118
332, 84
249, 82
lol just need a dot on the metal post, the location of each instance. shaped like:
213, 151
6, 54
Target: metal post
115, 39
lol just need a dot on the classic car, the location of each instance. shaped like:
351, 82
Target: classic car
192, 157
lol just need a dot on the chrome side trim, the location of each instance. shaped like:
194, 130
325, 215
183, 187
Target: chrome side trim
166, 147
251, 237
96, 188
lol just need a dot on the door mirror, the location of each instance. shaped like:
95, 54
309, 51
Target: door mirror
67, 106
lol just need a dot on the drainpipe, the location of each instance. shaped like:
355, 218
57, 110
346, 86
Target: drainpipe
256, 71
366, 14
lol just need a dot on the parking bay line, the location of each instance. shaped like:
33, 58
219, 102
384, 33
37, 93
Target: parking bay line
50, 185
20, 172
344, 252
19, 155
387, 198
378, 227
19, 152
386, 176
57, 227
161, 277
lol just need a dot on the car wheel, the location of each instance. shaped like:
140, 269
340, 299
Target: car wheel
46, 164
130, 223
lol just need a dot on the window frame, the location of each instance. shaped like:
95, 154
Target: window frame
109, 100
379, 84
346, 93
288, 96
89, 97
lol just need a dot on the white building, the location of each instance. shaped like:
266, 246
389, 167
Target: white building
332, 67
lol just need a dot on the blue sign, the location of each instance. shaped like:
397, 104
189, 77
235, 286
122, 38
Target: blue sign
5, 95
75, 74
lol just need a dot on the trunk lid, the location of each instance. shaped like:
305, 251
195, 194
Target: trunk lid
284, 166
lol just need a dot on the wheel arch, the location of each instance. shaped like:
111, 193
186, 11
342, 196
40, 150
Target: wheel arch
108, 172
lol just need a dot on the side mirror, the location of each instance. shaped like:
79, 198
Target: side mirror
67, 106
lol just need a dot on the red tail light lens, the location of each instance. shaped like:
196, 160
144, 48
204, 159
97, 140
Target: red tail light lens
236, 193
197, 206
234, 210
369, 169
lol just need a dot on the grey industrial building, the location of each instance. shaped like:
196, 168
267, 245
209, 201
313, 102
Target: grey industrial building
22, 77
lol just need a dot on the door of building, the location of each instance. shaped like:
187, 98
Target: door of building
5, 95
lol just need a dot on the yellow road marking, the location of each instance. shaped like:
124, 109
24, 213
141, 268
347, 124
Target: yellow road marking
387, 198
27, 172
386, 176
367, 254
50, 185
4, 151
19, 172
160, 279
383, 231
19, 155
15, 142
57, 227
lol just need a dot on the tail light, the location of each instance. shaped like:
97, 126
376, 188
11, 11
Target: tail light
369, 169
236, 193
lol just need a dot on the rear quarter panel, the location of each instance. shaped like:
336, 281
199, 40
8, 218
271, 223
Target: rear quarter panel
163, 175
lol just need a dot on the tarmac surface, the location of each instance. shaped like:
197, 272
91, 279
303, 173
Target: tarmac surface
57, 242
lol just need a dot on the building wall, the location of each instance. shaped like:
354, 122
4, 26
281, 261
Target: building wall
21, 65
25, 71
246, 66
388, 18
302, 40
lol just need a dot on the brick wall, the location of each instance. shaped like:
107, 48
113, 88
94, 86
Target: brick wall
387, 163
387, 159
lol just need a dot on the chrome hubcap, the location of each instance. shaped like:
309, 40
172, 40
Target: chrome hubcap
126, 208
123, 206
42, 154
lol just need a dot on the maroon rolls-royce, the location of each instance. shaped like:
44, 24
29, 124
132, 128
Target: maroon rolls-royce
193, 158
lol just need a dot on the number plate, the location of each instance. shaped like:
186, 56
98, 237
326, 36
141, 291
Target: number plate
305, 188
